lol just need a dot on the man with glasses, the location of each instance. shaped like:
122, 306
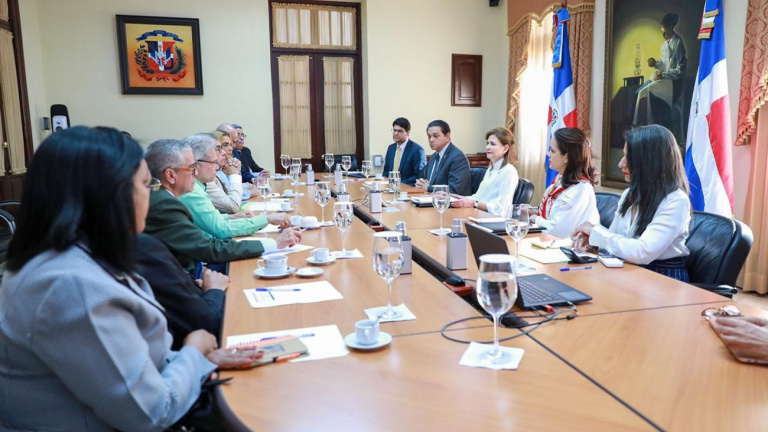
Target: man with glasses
404, 155
250, 169
169, 220
226, 199
204, 214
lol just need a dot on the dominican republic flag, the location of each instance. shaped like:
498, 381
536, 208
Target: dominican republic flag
708, 147
562, 103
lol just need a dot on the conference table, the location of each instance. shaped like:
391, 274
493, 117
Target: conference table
638, 357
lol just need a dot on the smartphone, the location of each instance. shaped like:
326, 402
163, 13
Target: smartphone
611, 262
577, 258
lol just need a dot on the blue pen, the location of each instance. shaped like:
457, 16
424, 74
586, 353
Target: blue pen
199, 270
277, 289
283, 336
575, 268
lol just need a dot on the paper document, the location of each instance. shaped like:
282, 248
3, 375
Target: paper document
552, 244
472, 357
544, 256
310, 292
486, 219
259, 206
407, 315
288, 250
350, 254
322, 342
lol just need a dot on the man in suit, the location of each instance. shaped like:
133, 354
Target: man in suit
404, 155
448, 165
249, 167
169, 220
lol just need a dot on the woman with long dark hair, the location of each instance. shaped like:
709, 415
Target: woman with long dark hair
651, 222
84, 345
570, 199
500, 180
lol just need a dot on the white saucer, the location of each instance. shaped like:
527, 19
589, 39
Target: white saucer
260, 273
313, 261
309, 272
384, 340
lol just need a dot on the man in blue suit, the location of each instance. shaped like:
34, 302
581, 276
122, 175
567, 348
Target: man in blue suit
448, 165
404, 155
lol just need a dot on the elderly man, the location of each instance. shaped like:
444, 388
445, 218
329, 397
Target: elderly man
226, 199
448, 165
169, 220
204, 214
250, 169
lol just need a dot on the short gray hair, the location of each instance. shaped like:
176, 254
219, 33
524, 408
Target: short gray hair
163, 154
201, 144
225, 127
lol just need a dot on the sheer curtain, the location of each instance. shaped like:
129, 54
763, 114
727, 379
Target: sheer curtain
338, 105
4, 10
531, 123
13, 134
295, 132
314, 26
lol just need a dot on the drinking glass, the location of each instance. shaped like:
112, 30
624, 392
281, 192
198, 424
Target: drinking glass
343, 215
516, 223
441, 200
295, 176
346, 164
329, 160
496, 291
263, 187
285, 162
367, 168
322, 196
388, 262
394, 182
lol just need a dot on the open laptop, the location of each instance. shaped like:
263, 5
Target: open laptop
533, 290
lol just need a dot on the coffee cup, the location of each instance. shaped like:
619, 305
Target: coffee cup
285, 206
367, 332
403, 195
321, 254
288, 192
309, 222
273, 264
296, 220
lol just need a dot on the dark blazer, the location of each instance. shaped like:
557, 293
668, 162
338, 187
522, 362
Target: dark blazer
249, 166
187, 306
412, 162
452, 171
170, 222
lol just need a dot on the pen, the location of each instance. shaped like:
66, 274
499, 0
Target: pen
285, 337
286, 358
575, 268
277, 289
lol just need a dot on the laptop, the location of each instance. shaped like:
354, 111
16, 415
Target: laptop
533, 290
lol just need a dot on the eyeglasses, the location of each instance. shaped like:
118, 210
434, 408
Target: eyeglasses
242, 135
154, 185
210, 162
190, 169
217, 148
728, 310
398, 131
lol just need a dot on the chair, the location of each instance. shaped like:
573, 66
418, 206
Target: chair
607, 203
719, 247
337, 161
476, 174
524, 192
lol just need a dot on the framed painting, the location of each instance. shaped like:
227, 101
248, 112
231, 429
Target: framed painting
651, 60
159, 55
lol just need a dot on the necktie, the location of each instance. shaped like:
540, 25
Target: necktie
396, 166
434, 168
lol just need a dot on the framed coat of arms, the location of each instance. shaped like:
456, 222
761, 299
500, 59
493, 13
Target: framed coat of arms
159, 55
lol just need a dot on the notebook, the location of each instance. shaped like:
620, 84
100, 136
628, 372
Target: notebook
425, 200
533, 290
496, 225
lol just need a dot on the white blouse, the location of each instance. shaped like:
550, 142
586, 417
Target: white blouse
498, 187
575, 205
663, 238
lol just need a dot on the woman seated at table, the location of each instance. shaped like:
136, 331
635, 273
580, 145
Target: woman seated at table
500, 180
651, 222
83, 342
570, 199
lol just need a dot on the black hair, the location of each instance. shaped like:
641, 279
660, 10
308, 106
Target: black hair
79, 188
573, 143
236, 126
655, 170
670, 20
441, 124
403, 123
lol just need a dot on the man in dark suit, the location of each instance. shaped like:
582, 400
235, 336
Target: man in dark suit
448, 165
404, 155
169, 220
249, 166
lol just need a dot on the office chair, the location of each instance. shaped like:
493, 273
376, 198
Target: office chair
476, 174
524, 192
719, 247
607, 203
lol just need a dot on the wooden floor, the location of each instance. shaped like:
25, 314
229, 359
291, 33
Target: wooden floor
752, 298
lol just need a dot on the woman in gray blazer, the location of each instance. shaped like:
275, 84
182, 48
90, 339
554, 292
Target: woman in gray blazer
84, 345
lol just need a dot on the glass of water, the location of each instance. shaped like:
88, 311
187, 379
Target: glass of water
496, 291
285, 162
367, 168
394, 182
263, 187
441, 200
388, 262
343, 215
346, 164
329, 160
322, 197
516, 223
296, 172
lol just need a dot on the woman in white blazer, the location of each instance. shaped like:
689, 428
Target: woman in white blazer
84, 345
570, 199
651, 222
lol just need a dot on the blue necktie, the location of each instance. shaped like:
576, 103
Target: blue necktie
434, 168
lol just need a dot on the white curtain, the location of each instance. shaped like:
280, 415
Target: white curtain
531, 124
295, 132
13, 134
4, 10
338, 105
314, 26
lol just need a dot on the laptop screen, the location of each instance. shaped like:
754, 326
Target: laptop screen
484, 242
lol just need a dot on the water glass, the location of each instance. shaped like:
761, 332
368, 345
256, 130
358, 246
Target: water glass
343, 215
387, 263
441, 200
322, 197
285, 162
516, 223
496, 291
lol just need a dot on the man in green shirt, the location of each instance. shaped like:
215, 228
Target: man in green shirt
203, 212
